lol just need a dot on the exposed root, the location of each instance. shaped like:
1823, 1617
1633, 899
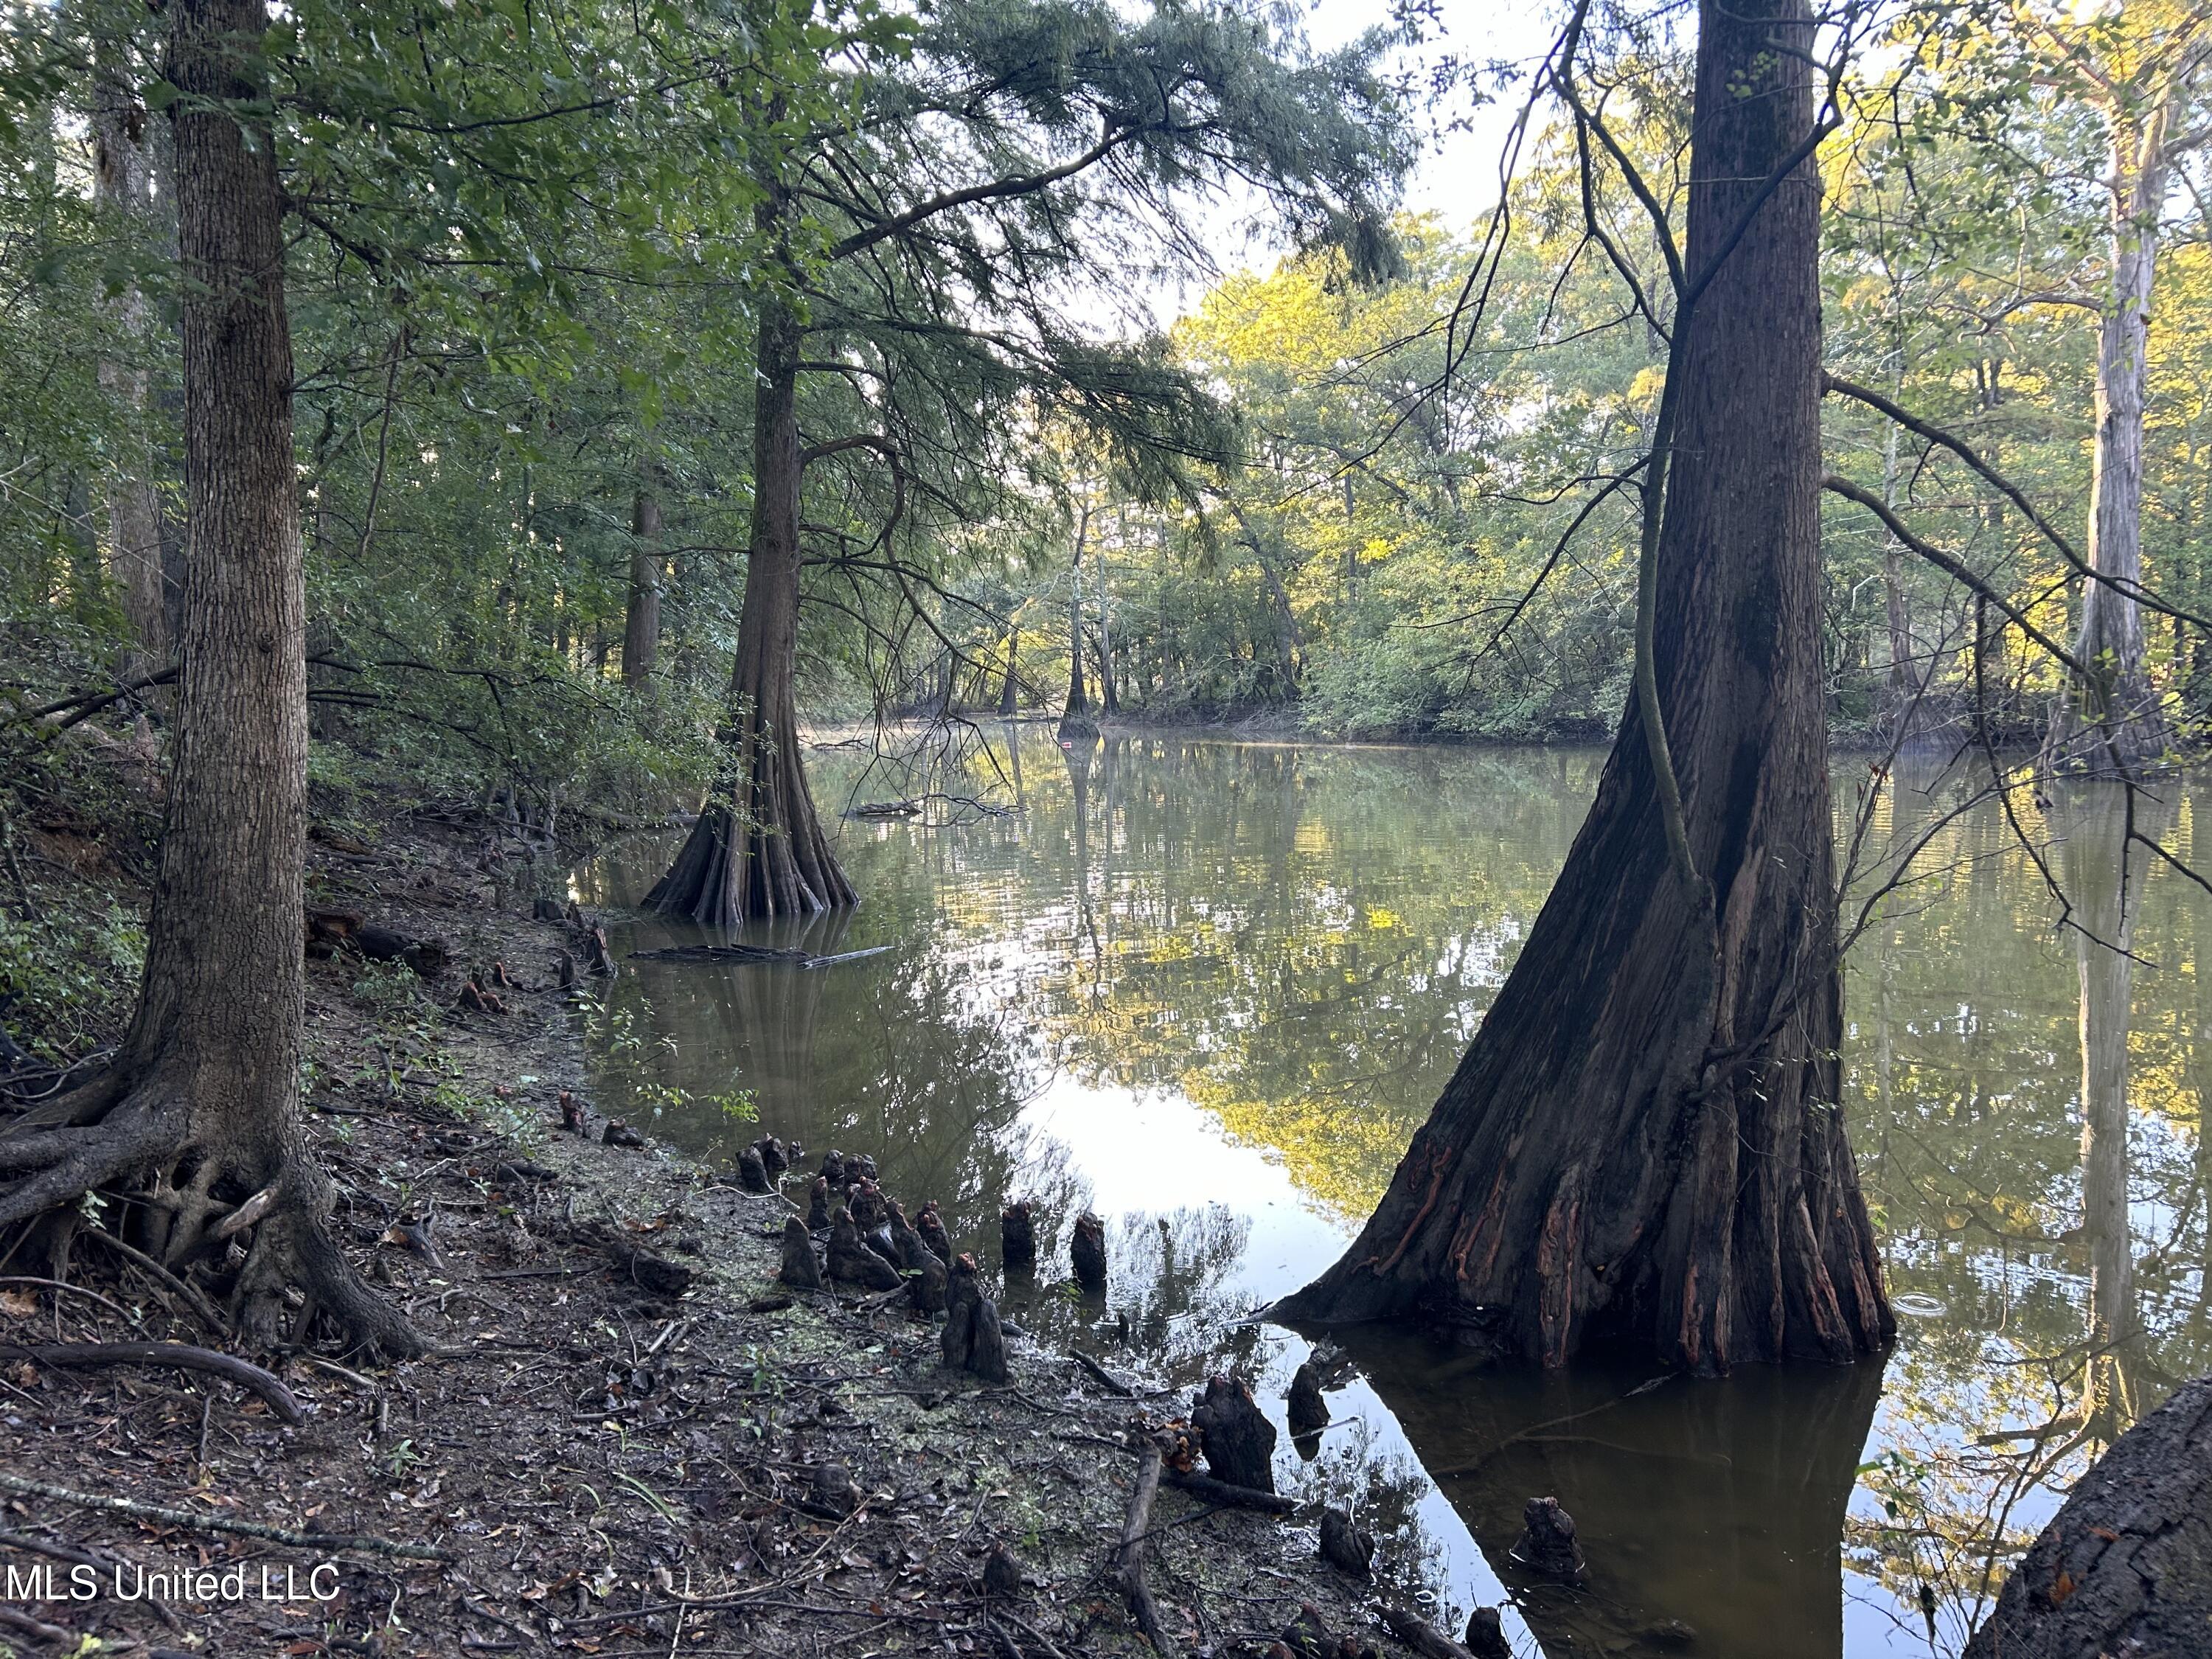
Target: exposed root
184, 1189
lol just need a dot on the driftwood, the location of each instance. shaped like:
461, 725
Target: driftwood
752, 955
2121, 1568
195, 1521
1129, 1560
886, 809
73, 1356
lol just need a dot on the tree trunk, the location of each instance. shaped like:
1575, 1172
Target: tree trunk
201, 1109
757, 851
642, 629
123, 185
1008, 687
1644, 1146
2112, 722
1075, 719
2120, 1569
1109, 700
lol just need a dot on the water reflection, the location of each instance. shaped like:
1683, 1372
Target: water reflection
1209, 989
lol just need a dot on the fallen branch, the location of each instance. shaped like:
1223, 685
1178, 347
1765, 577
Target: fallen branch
1130, 1559
1229, 1495
752, 955
305, 1540
72, 1355
1105, 1377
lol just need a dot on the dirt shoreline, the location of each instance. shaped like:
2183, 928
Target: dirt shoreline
614, 1466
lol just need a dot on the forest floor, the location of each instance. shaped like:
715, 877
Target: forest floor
631, 1440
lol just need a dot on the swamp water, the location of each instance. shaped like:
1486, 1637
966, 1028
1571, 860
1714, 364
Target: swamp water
1210, 989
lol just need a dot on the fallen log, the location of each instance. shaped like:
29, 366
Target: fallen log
1129, 1560
2121, 1568
1227, 1494
181, 1356
756, 956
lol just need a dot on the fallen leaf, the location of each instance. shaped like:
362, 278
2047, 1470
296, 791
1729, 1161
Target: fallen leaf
18, 1304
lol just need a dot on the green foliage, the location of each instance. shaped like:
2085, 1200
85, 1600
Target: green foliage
67, 979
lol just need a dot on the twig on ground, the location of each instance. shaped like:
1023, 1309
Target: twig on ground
306, 1540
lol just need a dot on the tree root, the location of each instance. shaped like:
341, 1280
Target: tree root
202, 1522
283, 1222
182, 1355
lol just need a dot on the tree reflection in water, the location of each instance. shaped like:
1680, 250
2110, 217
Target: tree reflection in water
1209, 989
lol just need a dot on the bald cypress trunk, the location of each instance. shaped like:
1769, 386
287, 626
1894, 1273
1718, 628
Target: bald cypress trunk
1644, 1146
757, 851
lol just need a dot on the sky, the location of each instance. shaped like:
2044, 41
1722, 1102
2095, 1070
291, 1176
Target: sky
1457, 176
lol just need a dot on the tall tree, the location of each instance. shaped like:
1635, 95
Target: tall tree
2138, 67
641, 623
202, 1104
1645, 1143
975, 186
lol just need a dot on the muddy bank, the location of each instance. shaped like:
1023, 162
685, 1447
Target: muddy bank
634, 1439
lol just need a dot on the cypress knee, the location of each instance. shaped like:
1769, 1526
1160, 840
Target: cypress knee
1017, 1236
800, 1270
1088, 1253
1238, 1440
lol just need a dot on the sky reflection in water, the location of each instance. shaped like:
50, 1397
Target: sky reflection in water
1209, 990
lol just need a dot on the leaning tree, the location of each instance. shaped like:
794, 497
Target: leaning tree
1645, 1143
1018, 151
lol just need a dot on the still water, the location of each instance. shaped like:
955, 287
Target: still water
1208, 990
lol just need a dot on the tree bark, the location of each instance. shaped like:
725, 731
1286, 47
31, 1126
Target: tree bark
123, 185
1076, 717
1009, 687
1644, 1146
2110, 722
1110, 699
2120, 1569
641, 628
201, 1109
758, 851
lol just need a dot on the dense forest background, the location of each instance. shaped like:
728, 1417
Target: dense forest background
1382, 485
523, 403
